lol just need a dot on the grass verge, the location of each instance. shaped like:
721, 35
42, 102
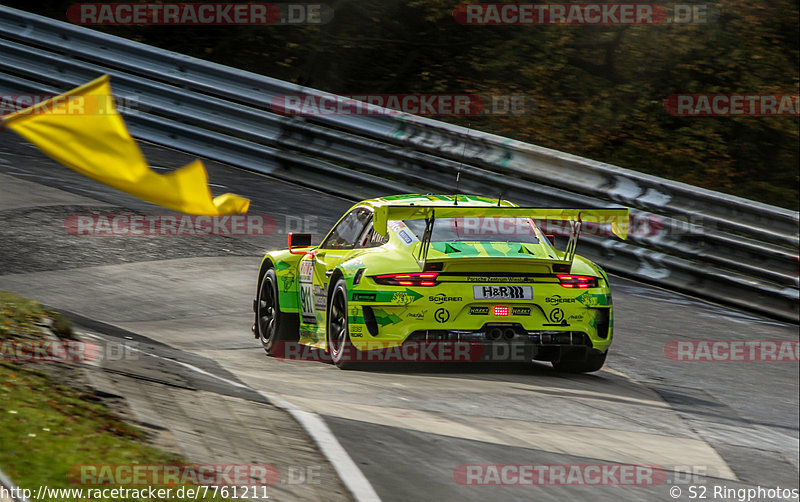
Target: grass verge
48, 430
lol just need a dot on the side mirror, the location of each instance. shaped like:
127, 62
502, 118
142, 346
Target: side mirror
299, 240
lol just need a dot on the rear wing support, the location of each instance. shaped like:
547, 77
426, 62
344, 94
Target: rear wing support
425, 242
572, 243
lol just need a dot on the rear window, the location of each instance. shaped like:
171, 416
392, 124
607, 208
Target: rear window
488, 229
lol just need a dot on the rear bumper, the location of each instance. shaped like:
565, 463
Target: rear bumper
512, 343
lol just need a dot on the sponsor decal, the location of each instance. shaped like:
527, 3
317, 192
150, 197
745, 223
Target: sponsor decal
407, 236
499, 279
307, 269
479, 311
364, 297
520, 311
502, 292
575, 317
442, 315
288, 280
396, 225
321, 297
556, 299
307, 290
442, 298
419, 315
402, 298
556, 316
591, 300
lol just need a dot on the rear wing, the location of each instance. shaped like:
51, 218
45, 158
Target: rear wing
616, 217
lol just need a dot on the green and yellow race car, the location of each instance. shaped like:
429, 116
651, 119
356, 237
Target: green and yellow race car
439, 278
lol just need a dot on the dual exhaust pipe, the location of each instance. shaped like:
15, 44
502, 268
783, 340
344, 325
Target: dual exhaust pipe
496, 333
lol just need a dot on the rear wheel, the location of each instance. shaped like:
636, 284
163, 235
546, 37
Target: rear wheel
593, 362
338, 332
274, 328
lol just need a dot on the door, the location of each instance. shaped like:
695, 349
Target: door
316, 269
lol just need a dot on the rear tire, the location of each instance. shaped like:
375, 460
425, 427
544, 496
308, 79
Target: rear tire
593, 362
341, 349
274, 328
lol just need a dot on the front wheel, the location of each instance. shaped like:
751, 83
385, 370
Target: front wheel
593, 362
274, 328
340, 347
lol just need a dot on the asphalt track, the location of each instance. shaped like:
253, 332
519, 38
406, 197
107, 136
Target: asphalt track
733, 424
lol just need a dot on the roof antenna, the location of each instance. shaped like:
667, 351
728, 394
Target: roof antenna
499, 199
458, 174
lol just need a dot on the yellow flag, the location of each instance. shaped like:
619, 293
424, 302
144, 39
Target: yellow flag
82, 130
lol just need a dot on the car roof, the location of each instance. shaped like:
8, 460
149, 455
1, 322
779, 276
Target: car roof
433, 200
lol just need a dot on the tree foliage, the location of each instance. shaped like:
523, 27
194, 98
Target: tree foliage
599, 90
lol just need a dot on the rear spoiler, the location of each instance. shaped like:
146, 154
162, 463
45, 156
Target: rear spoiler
617, 217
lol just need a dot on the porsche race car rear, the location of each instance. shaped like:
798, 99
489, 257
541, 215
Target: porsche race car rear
534, 312
485, 300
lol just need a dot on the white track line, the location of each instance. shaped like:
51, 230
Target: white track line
347, 470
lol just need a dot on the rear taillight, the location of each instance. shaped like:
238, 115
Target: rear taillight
410, 279
577, 281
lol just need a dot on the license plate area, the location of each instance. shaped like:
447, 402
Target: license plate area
504, 292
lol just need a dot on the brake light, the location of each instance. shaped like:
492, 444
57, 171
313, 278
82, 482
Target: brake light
577, 281
410, 279
500, 310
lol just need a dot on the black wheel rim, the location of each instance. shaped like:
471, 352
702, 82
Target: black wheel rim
337, 328
266, 311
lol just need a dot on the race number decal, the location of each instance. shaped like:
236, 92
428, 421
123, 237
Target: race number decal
307, 290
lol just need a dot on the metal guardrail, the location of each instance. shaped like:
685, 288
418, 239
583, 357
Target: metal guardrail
718, 246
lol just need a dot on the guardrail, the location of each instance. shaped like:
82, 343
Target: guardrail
718, 246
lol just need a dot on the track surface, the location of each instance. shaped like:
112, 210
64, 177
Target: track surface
735, 424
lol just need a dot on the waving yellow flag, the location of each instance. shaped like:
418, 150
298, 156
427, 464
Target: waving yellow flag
82, 130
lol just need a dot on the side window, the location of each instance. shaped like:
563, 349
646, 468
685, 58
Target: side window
370, 238
345, 234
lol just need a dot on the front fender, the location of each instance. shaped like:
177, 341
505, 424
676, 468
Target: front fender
286, 267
